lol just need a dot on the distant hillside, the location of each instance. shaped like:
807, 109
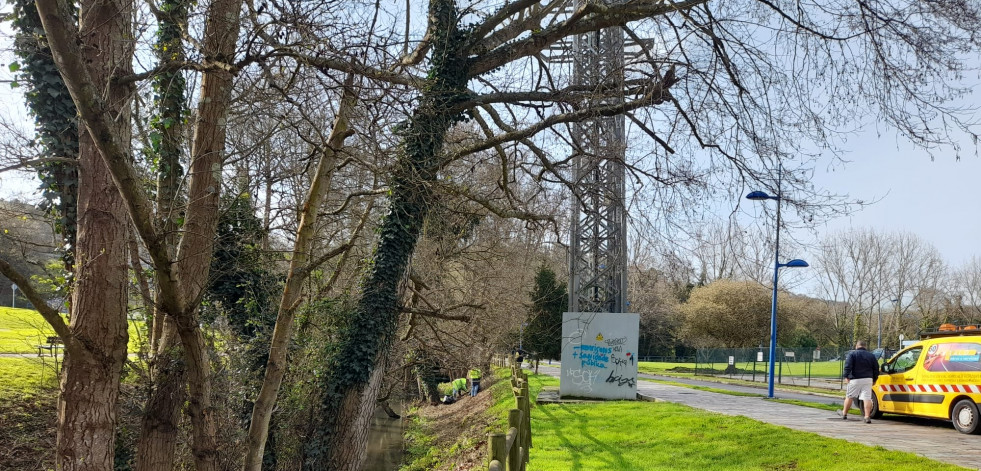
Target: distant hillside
28, 242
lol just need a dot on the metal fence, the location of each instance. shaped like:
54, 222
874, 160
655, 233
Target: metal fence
817, 367
667, 359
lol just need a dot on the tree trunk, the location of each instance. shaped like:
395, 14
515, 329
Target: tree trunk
279, 345
388, 410
428, 390
56, 129
204, 428
159, 429
90, 381
197, 245
350, 366
353, 418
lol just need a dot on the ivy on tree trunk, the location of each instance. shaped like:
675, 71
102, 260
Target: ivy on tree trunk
364, 336
55, 123
161, 417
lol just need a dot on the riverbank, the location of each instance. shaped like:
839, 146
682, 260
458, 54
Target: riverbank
454, 436
638, 436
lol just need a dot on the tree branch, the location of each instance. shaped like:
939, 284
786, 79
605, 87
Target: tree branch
499, 211
657, 94
50, 315
589, 17
438, 314
43, 160
302, 272
535, 14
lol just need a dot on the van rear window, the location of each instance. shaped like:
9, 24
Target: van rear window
953, 357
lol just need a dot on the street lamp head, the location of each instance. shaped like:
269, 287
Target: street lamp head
760, 195
796, 263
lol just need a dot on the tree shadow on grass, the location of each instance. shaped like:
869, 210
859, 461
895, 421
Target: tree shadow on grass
611, 457
555, 425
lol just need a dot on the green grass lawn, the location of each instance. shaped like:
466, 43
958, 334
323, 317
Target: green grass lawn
817, 369
629, 435
23, 377
706, 388
22, 330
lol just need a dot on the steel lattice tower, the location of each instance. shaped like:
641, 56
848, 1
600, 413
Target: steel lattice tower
598, 258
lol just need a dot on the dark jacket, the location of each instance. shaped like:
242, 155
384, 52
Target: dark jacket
861, 363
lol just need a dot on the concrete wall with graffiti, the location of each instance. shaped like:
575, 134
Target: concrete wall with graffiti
599, 355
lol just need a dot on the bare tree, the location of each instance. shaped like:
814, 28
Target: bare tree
865, 275
723, 92
917, 281
967, 290
852, 267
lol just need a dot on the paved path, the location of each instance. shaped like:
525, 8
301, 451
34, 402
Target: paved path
936, 440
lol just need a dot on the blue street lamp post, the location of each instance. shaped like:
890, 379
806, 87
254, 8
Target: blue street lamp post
795, 263
521, 335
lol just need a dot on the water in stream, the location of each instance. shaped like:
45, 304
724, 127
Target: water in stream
384, 442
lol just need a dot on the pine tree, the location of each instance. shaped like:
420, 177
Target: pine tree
549, 300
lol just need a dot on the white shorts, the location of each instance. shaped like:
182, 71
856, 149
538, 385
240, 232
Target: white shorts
860, 388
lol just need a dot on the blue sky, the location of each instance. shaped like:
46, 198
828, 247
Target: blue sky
936, 200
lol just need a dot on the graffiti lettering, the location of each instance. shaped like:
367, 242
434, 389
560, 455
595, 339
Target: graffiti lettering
616, 341
583, 378
594, 348
592, 362
620, 380
592, 355
618, 361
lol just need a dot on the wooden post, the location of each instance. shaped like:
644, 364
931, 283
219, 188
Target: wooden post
527, 415
496, 446
514, 453
522, 429
516, 456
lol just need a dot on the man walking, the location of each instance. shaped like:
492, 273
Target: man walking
861, 372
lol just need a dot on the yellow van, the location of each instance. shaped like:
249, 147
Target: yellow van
938, 377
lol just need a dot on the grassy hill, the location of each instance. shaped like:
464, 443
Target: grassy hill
22, 330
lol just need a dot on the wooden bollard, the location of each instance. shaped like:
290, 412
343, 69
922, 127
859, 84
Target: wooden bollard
514, 455
522, 429
527, 415
497, 446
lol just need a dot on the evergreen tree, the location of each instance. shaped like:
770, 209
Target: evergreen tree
242, 287
549, 300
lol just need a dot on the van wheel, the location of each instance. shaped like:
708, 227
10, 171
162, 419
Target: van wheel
964, 415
